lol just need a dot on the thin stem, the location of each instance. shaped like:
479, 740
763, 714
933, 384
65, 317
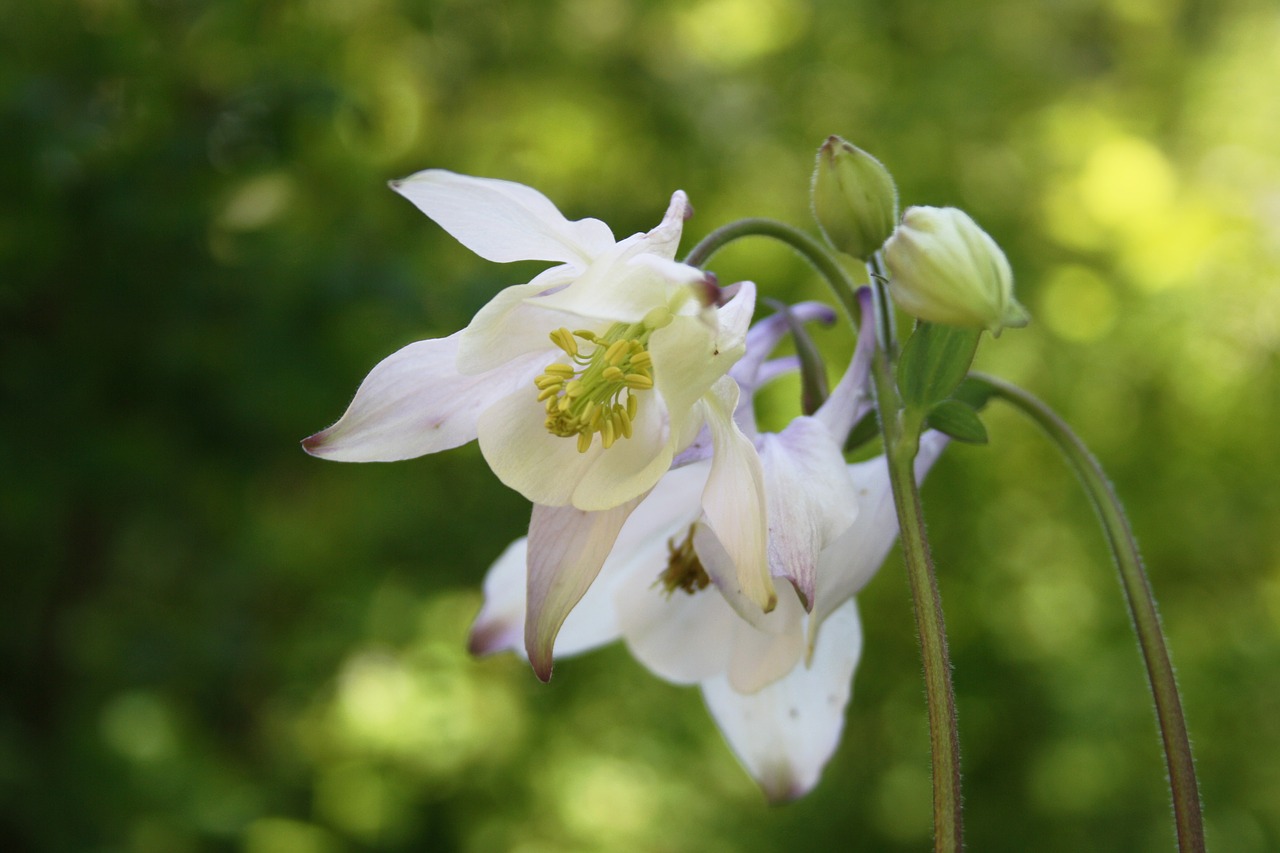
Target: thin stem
878, 275
901, 443
1142, 607
814, 252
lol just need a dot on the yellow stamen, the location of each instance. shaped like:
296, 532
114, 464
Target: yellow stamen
564, 339
597, 392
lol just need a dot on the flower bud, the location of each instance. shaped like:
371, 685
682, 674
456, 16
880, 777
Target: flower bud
943, 268
854, 198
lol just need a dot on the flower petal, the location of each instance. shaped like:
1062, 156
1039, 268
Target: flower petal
632, 465
766, 334
761, 657
851, 398
504, 221
852, 560
415, 402
624, 285
681, 637
567, 547
786, 733
733, 503
514, 323
499, 625
664, 239
689, 356
811, 500
545, 468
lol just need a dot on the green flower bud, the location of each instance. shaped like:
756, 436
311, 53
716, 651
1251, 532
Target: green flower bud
854, 198
943, 268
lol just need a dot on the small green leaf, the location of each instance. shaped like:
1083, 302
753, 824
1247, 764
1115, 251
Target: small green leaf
975, 392
934, 360
957, 420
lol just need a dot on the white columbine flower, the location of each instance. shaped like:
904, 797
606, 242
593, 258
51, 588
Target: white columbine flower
581, 386
777, 684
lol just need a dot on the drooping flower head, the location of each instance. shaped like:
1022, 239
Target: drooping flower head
582, 386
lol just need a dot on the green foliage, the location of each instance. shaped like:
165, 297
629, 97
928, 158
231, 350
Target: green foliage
215, 642
934, 360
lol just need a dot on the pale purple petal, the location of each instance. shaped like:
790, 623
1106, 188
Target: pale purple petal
785, 734
415, 402
851, 398
852, 560
811, 500
766, 334
499, 627
567, 547
504, 221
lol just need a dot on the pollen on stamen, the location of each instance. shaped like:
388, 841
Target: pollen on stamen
596, 392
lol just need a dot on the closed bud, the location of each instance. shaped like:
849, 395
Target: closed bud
854, 198
943, 268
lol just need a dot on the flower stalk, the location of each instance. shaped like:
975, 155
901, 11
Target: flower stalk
812, 250
901, 440
1188, 818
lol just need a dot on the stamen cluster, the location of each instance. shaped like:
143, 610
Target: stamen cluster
595, 391
684, 570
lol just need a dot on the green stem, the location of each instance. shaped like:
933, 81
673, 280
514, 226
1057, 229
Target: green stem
901, 441
813, 251
1137, 589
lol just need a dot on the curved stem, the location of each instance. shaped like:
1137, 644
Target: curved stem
901, 443
1142, 607
813, 251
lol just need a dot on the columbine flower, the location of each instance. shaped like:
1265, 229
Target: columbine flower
581, 386
777, 683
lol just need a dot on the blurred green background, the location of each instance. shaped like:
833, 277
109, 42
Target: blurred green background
214, 642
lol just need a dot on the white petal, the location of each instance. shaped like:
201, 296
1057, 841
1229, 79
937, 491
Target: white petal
811, 499
688, 357
664, 239
567, 547
632, 465
761, 657
786, 733
682, 638
499, 627
545, 468
624, 285
734, 506
504, 221
514, 323
415, 402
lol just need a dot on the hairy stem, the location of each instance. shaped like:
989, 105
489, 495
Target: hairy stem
1142, 607
901, 442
